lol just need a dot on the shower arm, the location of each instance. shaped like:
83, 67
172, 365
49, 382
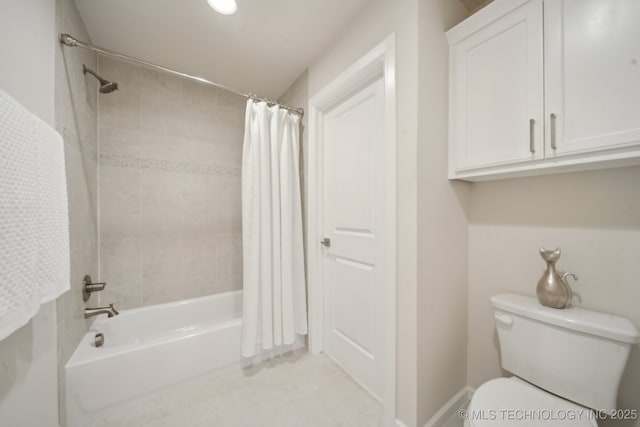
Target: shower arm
86, 70
71, 41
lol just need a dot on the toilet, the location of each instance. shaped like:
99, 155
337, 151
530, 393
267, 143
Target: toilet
567, 365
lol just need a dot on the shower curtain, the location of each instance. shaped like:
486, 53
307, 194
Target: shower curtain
274, 302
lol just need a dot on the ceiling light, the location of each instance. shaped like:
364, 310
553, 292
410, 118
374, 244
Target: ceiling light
225, 7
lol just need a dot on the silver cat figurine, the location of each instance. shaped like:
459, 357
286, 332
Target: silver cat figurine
553, 289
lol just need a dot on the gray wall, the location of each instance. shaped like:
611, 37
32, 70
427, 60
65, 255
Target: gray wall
169, 184
76, 120
28, 356
442, 223
594, 217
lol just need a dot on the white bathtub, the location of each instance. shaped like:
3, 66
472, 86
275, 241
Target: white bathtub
150, 349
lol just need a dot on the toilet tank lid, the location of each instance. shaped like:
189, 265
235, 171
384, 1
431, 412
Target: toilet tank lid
574, 318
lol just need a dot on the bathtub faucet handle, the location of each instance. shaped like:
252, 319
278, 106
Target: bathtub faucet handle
88, 287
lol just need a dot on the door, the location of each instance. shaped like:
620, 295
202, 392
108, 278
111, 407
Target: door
497, 92
354, 201
592, 75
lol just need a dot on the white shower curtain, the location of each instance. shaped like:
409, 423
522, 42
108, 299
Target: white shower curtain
274, 302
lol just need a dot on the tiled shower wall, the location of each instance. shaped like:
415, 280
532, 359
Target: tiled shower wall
170, 153
76, 121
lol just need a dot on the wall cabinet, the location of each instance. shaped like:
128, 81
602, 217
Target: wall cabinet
544, 86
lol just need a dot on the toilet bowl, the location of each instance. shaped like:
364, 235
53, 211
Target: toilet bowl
567, 365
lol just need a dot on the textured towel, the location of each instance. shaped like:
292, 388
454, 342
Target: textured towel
34, 220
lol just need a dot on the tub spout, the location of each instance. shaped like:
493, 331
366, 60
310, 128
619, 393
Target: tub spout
109, 311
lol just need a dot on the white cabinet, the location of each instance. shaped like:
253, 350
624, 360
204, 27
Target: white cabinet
592, 58
498, 91
541, 86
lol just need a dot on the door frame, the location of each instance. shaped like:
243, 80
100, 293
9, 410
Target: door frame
378, 63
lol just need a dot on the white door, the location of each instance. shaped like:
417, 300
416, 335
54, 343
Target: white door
592, 75
354, 202
497, 92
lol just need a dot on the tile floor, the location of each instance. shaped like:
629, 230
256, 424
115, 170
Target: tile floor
297, 390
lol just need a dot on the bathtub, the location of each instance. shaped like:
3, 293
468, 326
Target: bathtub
150, 349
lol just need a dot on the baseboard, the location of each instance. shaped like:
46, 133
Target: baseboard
457, 402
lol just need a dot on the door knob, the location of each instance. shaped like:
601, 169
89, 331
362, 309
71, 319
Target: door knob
326, 242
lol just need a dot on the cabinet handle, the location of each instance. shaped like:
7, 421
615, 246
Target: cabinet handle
532, 129
553, 131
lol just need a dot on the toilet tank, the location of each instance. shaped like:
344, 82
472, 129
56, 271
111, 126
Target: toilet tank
574, 353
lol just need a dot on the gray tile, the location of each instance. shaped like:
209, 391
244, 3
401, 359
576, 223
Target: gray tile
121, 259
158, 289
119, 140
199, 256
199, 286
123, 297
161, 256
119, 191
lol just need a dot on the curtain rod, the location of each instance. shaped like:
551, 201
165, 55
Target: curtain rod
71, 41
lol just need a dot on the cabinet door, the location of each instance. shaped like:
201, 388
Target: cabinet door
496, 92
592, 75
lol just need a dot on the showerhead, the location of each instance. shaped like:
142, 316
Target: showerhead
105, 85
109, 87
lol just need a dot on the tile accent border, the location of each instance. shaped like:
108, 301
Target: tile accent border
137, 162
88, 150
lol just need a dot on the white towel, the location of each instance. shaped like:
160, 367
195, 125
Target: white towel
34, 219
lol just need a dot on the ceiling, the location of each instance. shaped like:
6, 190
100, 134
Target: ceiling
260, 49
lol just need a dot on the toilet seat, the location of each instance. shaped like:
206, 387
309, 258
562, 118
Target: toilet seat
514, 402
